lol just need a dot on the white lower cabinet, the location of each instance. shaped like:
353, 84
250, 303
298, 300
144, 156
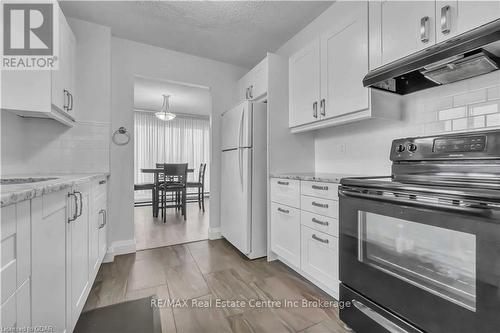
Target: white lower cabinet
46, 269
319, 256
305, 237
285, 233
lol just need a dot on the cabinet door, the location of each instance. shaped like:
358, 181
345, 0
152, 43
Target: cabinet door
472, 14
48, 275
401, 31
78, 252
71, 71
95, 222
319, 257
304, 69
344, 63
258, 83
285, 233
60, 98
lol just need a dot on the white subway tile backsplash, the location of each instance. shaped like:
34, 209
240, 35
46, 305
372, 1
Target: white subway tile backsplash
493, 120
460, 124
448, 126
493, 93
478, 122
453, 113
484, 108
470, 97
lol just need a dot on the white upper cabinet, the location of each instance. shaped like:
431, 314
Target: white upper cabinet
343, 68
407, 27
304, 85
253, 85
326, 76
45, 93
456, 17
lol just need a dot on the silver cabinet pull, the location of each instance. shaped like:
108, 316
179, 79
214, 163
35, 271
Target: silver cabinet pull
322, 107
66, 104
378, 318
317, 204
283, 183
101, 182
315, 109
286, 211
246, 94
75, 213
315, 220
325, 241
445, 20
81, 202
103, 213
424, 29
70, 107
322, 188
251, 91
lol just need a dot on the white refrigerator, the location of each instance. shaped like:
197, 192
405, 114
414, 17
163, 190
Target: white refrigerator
244, 169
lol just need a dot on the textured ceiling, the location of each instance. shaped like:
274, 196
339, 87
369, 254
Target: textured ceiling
183, 98
236, 32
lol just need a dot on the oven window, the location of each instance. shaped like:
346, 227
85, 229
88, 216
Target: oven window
438, 260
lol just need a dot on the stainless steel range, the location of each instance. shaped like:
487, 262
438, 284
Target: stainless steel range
420, 250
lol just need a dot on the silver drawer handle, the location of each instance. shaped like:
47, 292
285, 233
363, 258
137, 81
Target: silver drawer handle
320, 239
283, 183
445, 20
378, 318
314, 203
424, 29
102, 182
286, 211
322, 188
315, 109
315, 220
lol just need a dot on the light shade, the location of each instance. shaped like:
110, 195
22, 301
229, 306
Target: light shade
164, 114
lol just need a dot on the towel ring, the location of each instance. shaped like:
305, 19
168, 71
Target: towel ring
121, 130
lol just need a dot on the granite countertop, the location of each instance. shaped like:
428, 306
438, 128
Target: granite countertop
313, 176
12, 193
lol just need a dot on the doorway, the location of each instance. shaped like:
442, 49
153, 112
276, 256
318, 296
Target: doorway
184, 139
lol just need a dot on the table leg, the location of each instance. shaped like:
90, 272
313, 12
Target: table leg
155, 197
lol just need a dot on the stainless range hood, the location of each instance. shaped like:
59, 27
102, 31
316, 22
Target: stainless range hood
471, 54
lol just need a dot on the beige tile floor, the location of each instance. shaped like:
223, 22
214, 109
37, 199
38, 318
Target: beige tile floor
151, 232
211, 270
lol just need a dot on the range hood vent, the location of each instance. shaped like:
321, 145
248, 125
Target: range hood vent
471, 54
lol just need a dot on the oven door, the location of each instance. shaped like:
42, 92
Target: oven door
434, 264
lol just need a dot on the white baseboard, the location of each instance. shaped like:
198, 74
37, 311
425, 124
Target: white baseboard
119, 247
214, 233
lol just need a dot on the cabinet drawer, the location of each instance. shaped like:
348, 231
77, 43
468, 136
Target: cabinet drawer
320, 206
321, 223
319, 256
285, 191
285, 233
320, 190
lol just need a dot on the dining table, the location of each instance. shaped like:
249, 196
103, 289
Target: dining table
156, 191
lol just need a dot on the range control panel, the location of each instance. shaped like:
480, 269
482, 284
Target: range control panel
477, 145
460, 144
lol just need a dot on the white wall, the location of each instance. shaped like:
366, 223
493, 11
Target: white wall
41, 146
130, 59
363, 147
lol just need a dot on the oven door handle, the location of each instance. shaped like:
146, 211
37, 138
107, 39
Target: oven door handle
464, 210
378, 318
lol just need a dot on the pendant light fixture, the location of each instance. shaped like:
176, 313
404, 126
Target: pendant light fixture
164, 114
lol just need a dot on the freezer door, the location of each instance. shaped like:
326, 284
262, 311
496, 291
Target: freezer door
237, 127
236, 198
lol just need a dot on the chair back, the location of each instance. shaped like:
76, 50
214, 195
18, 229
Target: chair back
201, 173
176, 172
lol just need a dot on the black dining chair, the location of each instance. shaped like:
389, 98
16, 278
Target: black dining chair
174, 181
200, 185
145, 187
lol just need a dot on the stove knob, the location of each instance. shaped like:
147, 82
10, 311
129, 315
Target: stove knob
400, 148
412, 147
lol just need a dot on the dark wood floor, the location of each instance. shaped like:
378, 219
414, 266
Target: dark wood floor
213, 270
151, 232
